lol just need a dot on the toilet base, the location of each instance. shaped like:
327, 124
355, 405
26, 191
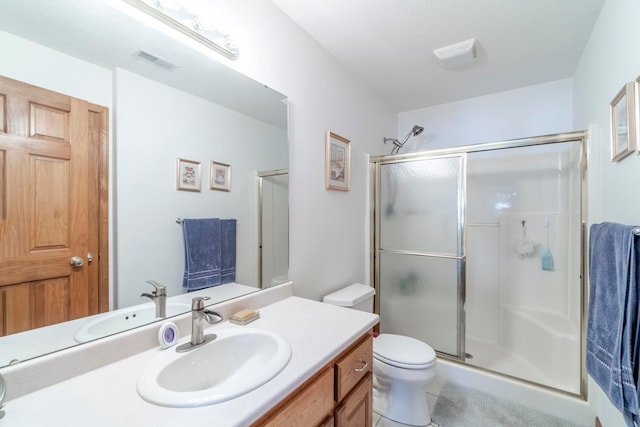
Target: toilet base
405, 407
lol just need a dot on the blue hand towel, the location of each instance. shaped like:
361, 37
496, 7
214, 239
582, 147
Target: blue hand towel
202, 253
613, 324
228, 244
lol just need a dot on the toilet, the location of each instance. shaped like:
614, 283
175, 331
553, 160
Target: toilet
402, 366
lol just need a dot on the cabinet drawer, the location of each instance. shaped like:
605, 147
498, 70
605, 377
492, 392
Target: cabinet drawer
354, 366
309, 407
357, 408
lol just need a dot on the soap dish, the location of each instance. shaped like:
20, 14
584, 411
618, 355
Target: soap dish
244, 316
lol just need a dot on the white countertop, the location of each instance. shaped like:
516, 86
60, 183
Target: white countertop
107, 396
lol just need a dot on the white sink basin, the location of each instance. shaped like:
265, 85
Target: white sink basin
124, 319
236, 362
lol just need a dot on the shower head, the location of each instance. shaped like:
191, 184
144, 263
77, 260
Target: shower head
415, 131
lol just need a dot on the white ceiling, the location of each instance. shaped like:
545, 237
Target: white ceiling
389, 43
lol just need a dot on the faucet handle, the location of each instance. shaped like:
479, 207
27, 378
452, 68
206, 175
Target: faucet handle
197, 303
160, 290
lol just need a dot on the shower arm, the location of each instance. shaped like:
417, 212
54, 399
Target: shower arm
397, 144
415, 131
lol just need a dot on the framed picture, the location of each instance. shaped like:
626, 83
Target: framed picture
188, 175
337, 162
220, 176
623, 122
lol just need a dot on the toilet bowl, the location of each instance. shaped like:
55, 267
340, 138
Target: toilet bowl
402, 366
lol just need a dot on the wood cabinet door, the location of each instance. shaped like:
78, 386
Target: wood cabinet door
53, 181
309, 406
356, 410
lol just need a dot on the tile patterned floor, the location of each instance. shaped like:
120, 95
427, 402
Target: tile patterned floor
379, 421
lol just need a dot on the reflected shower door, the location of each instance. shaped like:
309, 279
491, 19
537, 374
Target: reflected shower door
273, 228
420, 253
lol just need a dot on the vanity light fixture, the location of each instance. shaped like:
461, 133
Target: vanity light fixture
178, 14
457, 54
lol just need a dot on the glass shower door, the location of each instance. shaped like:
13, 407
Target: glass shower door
419, 250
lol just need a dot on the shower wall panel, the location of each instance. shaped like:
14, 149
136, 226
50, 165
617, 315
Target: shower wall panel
482, 282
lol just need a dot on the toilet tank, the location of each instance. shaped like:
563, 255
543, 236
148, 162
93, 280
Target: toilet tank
358, 296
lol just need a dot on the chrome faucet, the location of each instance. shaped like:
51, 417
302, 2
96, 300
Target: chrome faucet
198, 316
159, 297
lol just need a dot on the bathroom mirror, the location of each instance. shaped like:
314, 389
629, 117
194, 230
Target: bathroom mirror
215, 114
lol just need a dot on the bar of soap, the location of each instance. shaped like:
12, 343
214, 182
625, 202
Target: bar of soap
243, 317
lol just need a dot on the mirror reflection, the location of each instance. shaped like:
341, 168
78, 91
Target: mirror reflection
200, 110
274, 227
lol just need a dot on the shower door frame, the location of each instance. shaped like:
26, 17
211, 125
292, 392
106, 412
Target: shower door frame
375, 214
460, 256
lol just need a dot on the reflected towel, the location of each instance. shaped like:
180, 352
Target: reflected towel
612, 344
202, 253
228, 245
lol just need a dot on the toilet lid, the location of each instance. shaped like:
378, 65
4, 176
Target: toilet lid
403, 352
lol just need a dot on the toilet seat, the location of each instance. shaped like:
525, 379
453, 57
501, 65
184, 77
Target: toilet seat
403, 352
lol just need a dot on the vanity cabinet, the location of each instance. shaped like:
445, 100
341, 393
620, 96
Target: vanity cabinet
338, 395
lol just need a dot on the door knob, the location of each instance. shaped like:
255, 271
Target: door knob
76, 261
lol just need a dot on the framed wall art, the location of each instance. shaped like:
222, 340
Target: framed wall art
623, 122
188, 175
337, 162
220, 176
636, 106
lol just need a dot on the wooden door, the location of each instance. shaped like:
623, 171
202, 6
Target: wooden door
53, 206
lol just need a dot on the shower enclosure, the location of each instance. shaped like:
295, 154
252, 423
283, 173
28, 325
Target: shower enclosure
478, 251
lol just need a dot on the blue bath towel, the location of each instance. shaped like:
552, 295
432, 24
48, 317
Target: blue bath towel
228, 245
202, 253
613, 324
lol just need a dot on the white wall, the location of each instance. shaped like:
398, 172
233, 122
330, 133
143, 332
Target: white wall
40, 66
327, 228
529, 111
156, 125
610, 59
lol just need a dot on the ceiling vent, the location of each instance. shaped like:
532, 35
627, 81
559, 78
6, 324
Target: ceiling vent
457, 54
154, 60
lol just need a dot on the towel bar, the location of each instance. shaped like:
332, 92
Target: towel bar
179, 221
636, 231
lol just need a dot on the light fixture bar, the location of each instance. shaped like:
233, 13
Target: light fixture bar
229, 52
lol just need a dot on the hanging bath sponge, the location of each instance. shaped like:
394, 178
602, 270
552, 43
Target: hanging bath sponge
524, 246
